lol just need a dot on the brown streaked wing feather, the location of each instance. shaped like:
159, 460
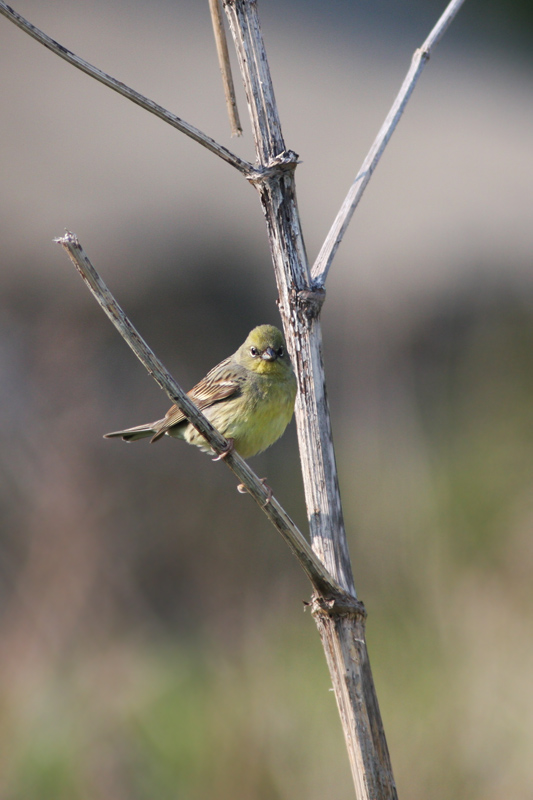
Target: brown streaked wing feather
219, 383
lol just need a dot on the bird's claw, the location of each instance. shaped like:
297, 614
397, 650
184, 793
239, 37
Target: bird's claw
225, 453
242, 489
268, 491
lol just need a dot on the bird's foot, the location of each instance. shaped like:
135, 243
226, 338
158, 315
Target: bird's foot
225, 453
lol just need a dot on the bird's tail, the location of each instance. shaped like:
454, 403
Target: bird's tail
140, 432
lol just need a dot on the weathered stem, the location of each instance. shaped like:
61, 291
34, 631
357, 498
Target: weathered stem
277, 191
342, 220
125, 91
343, 637
246, 31
341, 630
225, 67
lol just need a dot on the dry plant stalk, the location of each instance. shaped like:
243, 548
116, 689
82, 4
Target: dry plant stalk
225, 67
338, 615
342, 632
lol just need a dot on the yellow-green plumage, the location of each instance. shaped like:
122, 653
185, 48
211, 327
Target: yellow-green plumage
248, 397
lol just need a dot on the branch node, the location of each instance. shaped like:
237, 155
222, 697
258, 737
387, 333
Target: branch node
285, 160
308, 302
341, 605
422, 54
276, 167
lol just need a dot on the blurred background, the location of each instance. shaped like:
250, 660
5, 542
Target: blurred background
152, 636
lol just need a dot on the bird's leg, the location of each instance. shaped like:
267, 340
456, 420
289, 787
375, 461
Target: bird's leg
225, 453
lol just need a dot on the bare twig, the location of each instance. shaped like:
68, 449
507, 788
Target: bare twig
126, 91
310, 563
225, 67
421, 56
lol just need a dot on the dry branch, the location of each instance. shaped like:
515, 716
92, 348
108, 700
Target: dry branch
342, 634
126, 91
312, 566
324, 259
276, 187
225, 67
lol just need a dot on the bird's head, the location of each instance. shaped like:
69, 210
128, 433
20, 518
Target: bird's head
264, 351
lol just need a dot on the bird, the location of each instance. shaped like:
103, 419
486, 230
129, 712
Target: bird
249, 398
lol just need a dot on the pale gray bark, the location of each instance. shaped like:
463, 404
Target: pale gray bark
341, 629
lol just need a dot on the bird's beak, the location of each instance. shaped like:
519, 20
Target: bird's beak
269, 354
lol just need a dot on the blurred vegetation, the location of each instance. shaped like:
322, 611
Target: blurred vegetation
153, 642
497, 23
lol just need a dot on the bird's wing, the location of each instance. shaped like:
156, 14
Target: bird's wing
222, 381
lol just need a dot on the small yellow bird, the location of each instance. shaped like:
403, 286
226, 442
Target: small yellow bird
248, 397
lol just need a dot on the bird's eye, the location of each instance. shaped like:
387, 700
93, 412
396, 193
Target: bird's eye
280, 352
253, 351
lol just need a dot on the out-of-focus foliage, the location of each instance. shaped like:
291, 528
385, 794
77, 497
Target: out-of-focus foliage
152, 637
153, 642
